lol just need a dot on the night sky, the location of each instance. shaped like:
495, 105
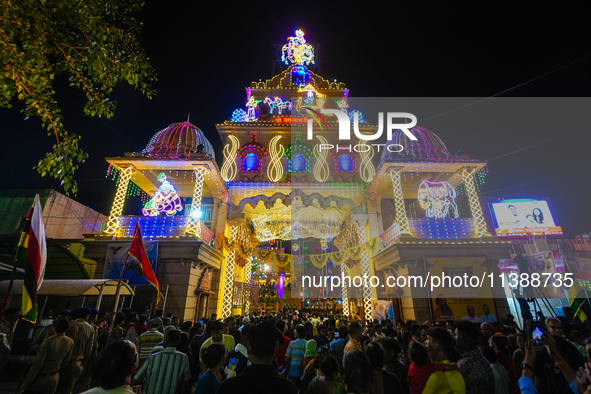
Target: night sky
205, 55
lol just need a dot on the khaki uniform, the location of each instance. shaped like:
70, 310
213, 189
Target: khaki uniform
83, 335
43, 335
54, 353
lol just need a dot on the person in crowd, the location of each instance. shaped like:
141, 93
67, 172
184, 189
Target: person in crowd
321, 338
196, 329
440, 346
184, 347
166, 371
405, 345
282, 327
213, 357
137, 328
157, 319
390, 331
245, 321
421, 368
175, 321
186, 328
294, 356
82, 333
577, 338
358, 372
487, 330
148, 341
118, 331
379, 332
355, 337
384, 382
337, 347
392, 363
328, 380
499, 344
48, 330
217, 336
232, 330
237, 358
519, 353
500, 372
549, 378
113, 369
53, 354
261, 376
199, 340
477, 372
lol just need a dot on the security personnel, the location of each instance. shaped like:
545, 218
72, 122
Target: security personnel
54, 353
11, 318
48, 330
83, 335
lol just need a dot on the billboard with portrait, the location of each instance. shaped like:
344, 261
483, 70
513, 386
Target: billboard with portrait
461, 303
523, 217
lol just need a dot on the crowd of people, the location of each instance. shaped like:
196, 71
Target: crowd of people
305, 353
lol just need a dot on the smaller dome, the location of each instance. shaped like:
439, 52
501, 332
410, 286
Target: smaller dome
179, 141
427, 147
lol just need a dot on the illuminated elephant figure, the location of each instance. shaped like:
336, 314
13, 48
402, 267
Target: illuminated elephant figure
438, 199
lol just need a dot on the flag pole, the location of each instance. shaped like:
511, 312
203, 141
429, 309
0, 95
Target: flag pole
112, 323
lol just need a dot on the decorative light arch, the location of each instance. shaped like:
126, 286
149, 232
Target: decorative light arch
250, 151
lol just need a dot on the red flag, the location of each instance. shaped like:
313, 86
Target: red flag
138, 253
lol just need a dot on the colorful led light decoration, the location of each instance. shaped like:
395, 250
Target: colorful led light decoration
229, 168
297, 50
438, 199
165, 200
239, 115
367, 170
275, 168
278, 103
321, 169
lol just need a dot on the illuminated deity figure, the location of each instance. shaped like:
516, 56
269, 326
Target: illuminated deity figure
165, 200
438, 199
297, 51
250, 109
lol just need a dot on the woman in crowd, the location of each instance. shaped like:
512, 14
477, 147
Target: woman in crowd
329, 380
214, 357
358, 372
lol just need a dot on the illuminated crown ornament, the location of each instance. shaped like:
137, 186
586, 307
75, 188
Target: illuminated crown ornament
297, 50
165, 200
179, 141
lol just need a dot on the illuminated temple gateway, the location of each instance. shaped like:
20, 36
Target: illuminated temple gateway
236, 235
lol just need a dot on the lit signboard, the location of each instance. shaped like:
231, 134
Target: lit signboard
523, 217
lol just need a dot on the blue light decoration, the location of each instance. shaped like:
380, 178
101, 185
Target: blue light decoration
251, 163
360, 117
346, 163
299, 163
239, 115
154, 226
442, 228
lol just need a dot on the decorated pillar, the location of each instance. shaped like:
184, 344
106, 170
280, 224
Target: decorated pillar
400, 219
194, 225
345, 291
479, 224
117, 208
367, 296
228, 286
247, 284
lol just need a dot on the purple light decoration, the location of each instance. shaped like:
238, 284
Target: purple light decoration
281, 283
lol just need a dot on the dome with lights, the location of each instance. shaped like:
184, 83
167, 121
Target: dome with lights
179, 141
427, 147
